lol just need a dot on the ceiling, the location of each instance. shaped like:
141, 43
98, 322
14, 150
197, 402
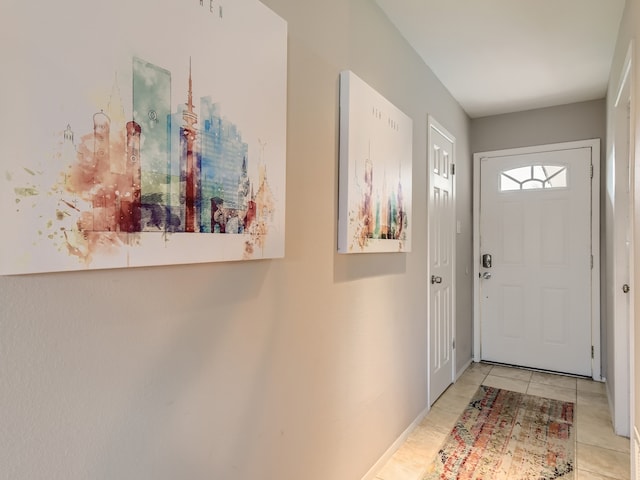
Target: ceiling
500, 56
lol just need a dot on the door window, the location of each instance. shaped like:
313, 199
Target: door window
532, 177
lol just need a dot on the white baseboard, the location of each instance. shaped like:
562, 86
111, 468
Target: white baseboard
371, 474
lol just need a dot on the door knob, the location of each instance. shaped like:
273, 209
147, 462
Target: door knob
435, 279
625, 288
486, 275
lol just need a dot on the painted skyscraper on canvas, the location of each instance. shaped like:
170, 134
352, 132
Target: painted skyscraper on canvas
375, 171
146, 138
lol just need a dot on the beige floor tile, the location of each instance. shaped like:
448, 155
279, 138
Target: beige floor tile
593, 399
555, 380
453, 402
411, 456
427, 440
441, 418
603, 461
584, 475
474, 377
463, 389
394, 470
409, 461
594, 427
551, 391
513, 373
585, 411
585, 385
437, 431
480, 367
506, 383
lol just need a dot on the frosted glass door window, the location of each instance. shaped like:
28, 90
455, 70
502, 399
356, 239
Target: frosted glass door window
533, 177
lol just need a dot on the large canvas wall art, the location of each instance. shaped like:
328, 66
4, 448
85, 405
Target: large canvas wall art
141, 133
375, 171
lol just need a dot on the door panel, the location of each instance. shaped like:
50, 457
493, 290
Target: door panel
441, 260
535, 221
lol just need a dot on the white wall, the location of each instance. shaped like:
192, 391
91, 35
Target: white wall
307, 367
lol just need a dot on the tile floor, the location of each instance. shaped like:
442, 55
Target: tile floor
601, 455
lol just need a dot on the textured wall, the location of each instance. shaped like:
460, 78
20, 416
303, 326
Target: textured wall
306, 367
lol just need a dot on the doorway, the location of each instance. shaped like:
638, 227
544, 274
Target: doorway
536, 257
619, 274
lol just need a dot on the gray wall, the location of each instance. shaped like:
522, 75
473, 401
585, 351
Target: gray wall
307, 367
564, 123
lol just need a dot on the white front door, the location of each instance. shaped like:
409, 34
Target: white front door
441, 225
535, 260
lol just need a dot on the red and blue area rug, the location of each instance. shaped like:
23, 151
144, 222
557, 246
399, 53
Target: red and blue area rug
511, 436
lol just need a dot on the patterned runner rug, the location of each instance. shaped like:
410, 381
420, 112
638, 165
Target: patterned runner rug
511, 436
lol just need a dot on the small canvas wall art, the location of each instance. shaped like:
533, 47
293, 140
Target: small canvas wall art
375, 171
141, 133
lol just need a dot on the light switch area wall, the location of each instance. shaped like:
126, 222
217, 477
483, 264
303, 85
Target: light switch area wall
306, 367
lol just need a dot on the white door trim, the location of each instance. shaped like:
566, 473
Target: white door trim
594, 144
634, 303
433, 124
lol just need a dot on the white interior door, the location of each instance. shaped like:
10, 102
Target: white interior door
621, 282
441, 226
619, 379
535, 293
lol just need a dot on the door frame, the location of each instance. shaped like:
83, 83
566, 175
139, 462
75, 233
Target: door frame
623, 130
433, 123
594, 145
628, 81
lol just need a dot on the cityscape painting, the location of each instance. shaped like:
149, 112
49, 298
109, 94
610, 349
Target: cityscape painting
142, 133
375, 171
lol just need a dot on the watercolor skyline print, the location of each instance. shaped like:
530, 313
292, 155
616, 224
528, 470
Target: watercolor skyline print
155, 143
375, 171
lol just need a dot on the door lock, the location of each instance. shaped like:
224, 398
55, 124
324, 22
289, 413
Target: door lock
435, 279
486, 260
626, 288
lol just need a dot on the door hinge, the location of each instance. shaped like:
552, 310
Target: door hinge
591, 262
453, 344
592, 352
591, 171
453, 169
